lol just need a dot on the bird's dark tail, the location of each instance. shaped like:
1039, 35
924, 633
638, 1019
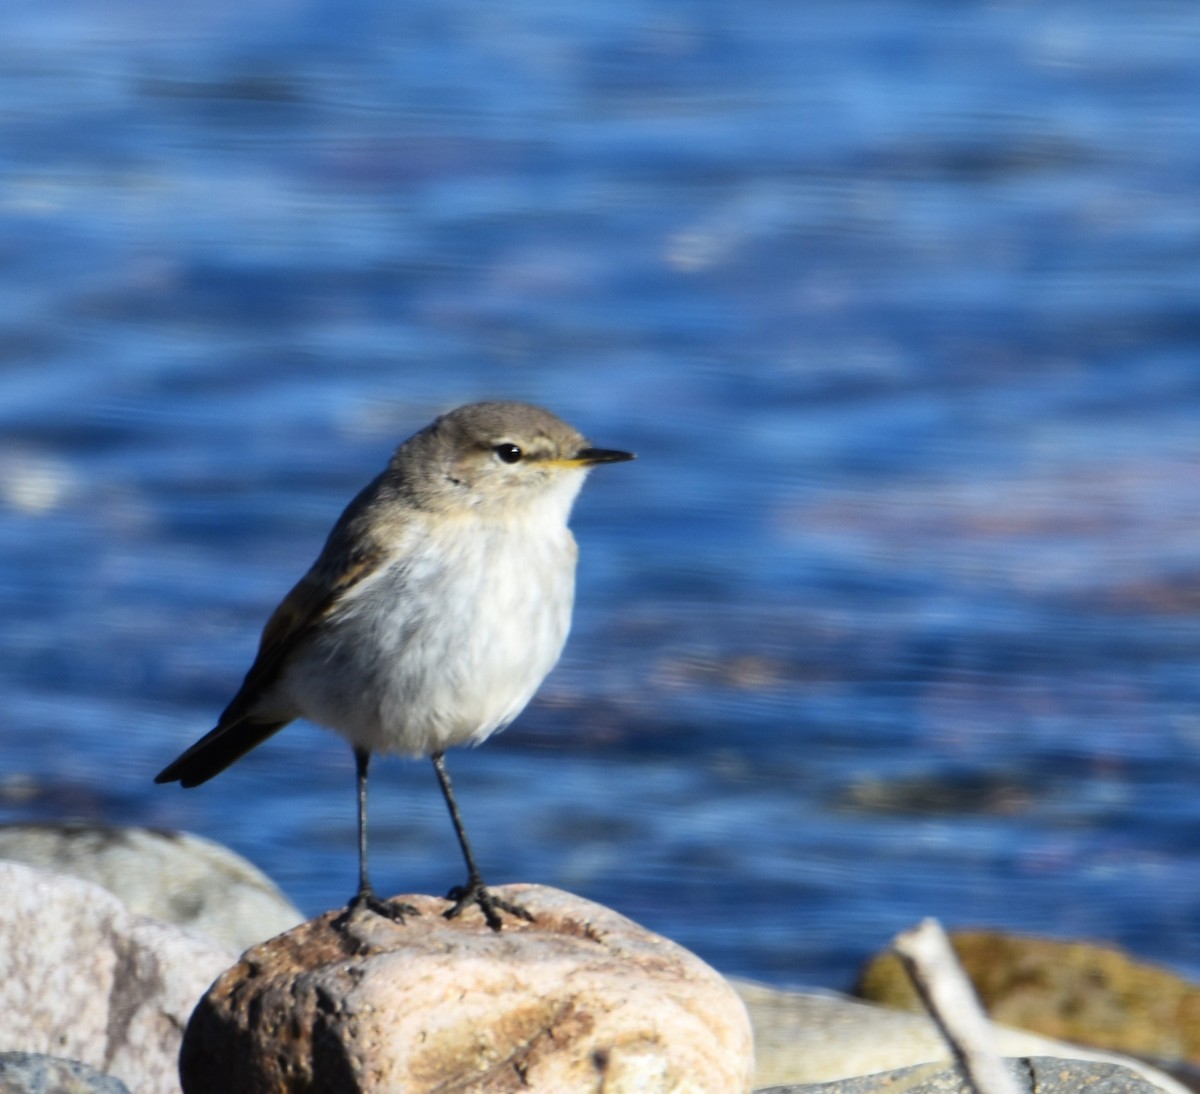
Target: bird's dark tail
216, 750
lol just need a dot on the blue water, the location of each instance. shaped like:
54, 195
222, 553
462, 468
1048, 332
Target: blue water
898, 613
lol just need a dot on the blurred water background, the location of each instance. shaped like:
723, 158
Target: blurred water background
897, 614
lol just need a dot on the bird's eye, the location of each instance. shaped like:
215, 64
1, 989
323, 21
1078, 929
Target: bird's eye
509, 453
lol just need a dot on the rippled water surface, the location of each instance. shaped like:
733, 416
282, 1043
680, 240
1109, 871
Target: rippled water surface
897, 614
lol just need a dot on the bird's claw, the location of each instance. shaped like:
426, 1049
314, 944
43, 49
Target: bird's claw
475, 892
366, 900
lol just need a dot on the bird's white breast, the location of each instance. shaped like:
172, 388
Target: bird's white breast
448, 640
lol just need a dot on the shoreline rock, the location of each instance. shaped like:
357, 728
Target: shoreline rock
83, 978
811, 1038
62, 933
170, 876
581, 997
1043, 1075
1073, 991
35, 1073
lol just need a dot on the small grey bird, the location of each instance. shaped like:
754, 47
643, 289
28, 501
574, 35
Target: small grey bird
437, 606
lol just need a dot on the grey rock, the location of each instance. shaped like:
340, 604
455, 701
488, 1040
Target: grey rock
83, 978
1038, 1075
32, 1073
172, 876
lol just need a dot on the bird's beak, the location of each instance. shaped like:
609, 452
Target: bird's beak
586, 457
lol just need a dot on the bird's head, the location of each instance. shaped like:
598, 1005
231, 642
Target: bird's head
500, 458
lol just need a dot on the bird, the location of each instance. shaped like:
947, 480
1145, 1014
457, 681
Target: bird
440, 601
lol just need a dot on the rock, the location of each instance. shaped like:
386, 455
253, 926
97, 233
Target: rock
83, 978
170, 876
808, 1037
1075, 991
581, 999
30, 1073
1038, 1075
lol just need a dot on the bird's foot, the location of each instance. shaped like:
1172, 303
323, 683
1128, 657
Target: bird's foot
366, 900
475, 892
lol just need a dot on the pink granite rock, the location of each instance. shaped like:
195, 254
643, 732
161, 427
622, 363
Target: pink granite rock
173, 876
580, 1000
82, 977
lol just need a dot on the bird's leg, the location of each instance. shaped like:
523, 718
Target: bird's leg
474, 892
366, 897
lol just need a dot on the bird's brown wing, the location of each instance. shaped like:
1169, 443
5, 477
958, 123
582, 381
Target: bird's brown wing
314, 598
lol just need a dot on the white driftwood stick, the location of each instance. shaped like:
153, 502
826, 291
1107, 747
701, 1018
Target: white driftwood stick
954, 1006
